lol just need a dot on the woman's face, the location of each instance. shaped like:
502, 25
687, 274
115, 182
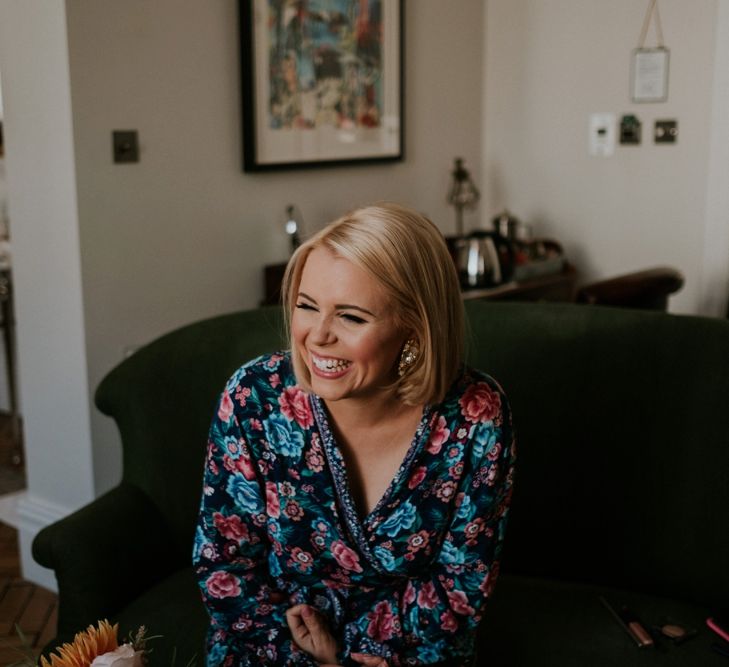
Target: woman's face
344, 328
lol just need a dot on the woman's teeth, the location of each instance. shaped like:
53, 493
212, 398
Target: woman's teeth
330, 365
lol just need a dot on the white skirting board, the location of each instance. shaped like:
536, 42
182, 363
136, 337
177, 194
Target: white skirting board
29, 514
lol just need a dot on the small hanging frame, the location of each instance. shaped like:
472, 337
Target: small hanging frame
649, 72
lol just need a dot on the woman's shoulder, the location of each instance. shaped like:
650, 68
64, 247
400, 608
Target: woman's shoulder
273, 369
478, 397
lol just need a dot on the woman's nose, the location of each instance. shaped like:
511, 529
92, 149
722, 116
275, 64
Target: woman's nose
322, 332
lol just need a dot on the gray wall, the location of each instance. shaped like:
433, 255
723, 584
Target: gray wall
550, 63
184, 234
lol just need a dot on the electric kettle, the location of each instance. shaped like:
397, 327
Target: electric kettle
484, 259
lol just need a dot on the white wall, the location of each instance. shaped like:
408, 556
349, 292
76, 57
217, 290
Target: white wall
49, 311
185, 233
549, 64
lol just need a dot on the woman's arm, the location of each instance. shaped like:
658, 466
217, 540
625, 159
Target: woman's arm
231, 551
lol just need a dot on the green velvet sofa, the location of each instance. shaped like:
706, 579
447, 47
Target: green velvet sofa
622, 483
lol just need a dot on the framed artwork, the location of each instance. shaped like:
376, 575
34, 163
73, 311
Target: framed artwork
321, 82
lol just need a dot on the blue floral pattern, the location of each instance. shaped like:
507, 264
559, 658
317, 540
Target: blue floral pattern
278, 525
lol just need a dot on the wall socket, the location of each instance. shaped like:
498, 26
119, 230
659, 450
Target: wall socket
665, 132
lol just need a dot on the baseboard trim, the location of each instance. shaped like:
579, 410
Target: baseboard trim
34, 514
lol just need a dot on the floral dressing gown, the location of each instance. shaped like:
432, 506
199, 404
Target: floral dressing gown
278, 526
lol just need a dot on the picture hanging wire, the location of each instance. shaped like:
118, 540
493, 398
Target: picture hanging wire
652, 11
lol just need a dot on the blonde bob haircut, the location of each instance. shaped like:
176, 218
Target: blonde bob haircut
406, 253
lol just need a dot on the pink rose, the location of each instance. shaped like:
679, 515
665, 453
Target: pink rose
225, 409
272, 505
427, 597
295, 405
409, 595
242, 464
480, 403
494, 452
124, 656
448, 622
438, 436
381, 622
347, 558
417, 477
223, 585
230, 527
418, 541
459, 603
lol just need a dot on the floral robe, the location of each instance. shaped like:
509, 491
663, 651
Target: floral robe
278, 525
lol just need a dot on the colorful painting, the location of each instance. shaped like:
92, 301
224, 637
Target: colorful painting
323, 82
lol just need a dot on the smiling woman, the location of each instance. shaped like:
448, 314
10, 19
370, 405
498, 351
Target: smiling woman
357, 486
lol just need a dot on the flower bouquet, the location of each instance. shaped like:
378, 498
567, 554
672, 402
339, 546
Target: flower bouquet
96, 647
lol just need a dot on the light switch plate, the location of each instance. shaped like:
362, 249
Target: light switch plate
125, 146
602, 134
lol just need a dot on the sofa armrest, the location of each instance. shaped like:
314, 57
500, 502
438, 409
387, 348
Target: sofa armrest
105, 555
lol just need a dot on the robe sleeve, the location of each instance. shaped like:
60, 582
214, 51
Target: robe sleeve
433, 619
230, 556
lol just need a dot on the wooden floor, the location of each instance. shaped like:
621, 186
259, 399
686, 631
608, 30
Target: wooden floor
30, 607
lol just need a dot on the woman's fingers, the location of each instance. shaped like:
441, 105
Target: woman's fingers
299, 629
369, 660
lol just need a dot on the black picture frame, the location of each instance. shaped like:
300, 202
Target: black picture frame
347, 104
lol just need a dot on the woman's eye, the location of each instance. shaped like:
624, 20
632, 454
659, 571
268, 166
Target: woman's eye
305, 306
353, 318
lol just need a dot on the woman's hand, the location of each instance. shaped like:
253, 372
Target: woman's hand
364, 659
310, 633
369, 660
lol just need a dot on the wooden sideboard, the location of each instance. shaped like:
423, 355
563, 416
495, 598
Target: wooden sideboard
555, 287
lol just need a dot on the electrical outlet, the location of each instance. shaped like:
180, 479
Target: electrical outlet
665, 132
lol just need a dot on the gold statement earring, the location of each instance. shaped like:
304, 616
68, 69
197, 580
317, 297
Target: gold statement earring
408, 356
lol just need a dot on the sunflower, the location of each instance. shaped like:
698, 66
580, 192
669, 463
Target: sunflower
86, 646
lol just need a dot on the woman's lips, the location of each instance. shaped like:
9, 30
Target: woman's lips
329, 367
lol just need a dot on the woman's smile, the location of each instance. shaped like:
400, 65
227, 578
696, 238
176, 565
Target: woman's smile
328, 367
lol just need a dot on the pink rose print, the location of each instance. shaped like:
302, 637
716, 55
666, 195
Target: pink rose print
301, 559
445, 491
494, 452
448, 622
381, 622
427, 597
472, 530
225, 410
347, 558
242, 464
295, 405
418, 541
223, 585
417, 477
274, 380
438, 436
230, 527
242, 394
408, 596
459, 603
314, 461
480, 403
293, 510
272, 504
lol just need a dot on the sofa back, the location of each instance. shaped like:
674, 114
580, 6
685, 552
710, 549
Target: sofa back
621, 417
622, 422
162, 399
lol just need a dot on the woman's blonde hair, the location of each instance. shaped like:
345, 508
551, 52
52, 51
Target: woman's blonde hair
406, 253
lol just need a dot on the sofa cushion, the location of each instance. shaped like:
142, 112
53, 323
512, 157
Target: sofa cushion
544, 623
